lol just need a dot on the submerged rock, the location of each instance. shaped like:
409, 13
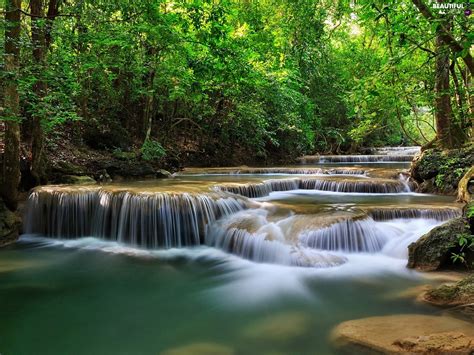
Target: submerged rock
433, 250
406, 333
282, 327
9, 225
200, 349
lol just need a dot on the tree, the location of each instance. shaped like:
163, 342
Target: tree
10, 177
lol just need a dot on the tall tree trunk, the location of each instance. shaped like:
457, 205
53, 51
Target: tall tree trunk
443, 113
40, 88
10, 177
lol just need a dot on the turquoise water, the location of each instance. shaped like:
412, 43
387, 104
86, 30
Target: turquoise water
94, 297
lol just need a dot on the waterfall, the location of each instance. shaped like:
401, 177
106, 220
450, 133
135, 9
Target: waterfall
362, 186
140, 219
260, 189
319, 159
348, 236
395, 150
250, 235
439, 214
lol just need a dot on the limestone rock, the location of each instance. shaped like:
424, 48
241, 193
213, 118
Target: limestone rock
433, 250
9, 225
406, 333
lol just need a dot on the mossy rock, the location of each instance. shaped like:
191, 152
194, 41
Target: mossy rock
76, 180
9, 225
433, 250
460, 293
439, 170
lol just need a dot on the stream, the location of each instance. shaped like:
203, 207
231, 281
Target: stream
238, 260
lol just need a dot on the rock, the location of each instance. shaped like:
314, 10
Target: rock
460, 293
76, 180
438, 170
406, 333
104, 177
163, 174
200, 349
9, 225
433, 250
281, 327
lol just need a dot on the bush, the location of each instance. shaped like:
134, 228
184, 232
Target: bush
152, 150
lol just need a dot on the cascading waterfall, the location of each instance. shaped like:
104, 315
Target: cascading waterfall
439, 214
361, 186
355, 158
260, 189
309, 234
395, 150
348, 236
264, 188
250, 235
140, 219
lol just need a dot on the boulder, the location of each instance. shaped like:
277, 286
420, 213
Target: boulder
433, 250
163, 174
9, 225
405, 333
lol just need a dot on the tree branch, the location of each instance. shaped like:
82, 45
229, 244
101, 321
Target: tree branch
445, 35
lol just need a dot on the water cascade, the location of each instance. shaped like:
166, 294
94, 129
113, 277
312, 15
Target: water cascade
320, 159
348, 236
359, 185
140, 219
350, 210
438, 214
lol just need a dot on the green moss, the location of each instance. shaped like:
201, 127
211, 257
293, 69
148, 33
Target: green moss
441, 170
119, 154
460, 293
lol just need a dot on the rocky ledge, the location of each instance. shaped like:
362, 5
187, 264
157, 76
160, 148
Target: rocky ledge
405, 333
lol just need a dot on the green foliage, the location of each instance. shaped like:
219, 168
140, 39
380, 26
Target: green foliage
272, 78
470, 211
152, 150
465, 244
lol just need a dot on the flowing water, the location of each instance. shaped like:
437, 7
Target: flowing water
234, 260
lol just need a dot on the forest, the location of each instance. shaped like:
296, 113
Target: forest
228, 81
291, 133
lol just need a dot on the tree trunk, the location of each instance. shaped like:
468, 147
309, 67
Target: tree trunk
443, 113
464, 195
10, 177
40, 88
